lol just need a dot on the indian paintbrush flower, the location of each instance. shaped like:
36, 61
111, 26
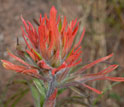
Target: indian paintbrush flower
52, 52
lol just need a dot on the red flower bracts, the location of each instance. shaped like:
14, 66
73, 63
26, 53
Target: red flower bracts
50, 46
52, 49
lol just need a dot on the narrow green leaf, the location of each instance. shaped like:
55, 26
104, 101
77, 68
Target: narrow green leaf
37, 54
60, 26
36, 96
40, 86
60, 91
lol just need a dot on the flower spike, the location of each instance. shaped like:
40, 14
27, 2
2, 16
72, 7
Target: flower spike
52, 53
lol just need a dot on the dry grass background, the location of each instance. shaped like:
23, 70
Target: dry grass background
104, 23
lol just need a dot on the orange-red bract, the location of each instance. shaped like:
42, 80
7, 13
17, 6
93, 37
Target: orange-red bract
51, 47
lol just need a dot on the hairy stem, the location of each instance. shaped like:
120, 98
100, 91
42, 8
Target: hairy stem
50, 100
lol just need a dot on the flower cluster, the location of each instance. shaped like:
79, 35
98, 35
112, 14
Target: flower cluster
52, 49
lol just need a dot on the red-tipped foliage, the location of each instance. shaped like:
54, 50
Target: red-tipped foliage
51, 47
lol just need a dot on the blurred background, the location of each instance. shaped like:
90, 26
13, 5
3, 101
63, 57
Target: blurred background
104, 24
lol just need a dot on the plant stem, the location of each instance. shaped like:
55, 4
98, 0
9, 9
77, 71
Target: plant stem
50, 100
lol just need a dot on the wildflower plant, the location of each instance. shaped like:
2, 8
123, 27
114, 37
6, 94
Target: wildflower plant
52, 51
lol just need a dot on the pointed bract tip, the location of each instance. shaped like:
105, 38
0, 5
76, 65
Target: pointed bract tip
22, 18
53, 9
5, 63
2, 61
111, 54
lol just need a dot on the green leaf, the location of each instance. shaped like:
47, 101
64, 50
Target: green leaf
36, 96
60, 26
39, 93
60, 91
40, 86
37, 54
